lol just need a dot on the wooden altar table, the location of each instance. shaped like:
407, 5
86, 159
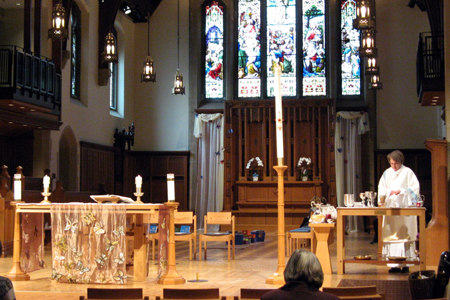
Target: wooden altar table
343, 212
140, 247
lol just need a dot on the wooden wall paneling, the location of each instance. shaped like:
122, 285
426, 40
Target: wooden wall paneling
154, 166
97, 167
306, 129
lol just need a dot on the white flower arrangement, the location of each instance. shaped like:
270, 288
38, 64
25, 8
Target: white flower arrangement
305, 164
258, 161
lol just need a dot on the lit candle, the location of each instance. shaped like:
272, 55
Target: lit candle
46, 184
170, 187
138, 181
46, 181
278, 114
17, 187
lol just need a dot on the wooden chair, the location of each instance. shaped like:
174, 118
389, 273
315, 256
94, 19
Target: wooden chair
299, 240
187, 218
128, 294
354, 292
218, 218
253, 294
207, 293
151, 238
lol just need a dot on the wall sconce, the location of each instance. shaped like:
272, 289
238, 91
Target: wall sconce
178, 88
110, 55
372, 67
148, 75
58, 30
375, 83
368, 43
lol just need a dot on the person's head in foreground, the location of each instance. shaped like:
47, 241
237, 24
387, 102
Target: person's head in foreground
304, 266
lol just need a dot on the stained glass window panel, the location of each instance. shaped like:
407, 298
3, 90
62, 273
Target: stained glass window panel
75, 47
249, 48
281, 45
350, 43
314, 71
214, 50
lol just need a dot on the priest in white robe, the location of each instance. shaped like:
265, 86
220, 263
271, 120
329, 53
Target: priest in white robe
399, 187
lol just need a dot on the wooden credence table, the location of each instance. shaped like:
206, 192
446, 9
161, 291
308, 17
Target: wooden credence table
343, 212
140, 247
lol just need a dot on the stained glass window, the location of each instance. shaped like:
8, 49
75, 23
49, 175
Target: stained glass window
75, 53
249, 48
113, 80
214, 27
281, 45
350, 43
314, 71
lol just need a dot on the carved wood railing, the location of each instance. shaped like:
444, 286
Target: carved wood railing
31, 79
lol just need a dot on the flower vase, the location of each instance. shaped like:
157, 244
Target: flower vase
252, 177
305, 178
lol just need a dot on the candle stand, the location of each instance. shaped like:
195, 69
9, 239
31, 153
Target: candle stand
138, 195
278, 276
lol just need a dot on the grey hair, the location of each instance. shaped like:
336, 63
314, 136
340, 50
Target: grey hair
396, 156
304, 266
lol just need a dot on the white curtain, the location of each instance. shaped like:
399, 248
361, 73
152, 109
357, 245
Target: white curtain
208, 129
349, 127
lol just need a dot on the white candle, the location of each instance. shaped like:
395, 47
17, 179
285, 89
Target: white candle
170, 187
46, 181
278, 112
17, 187
138, 181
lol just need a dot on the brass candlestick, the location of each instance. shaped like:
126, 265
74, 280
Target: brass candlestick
46, 194
138, 195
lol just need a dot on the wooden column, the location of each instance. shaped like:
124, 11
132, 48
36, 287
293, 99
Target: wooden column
438, 227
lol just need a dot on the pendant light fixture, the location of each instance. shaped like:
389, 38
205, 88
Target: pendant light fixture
365, 14
368, 43
110, 53
375, 83
148, 74
372, 67
178, 88
58, 30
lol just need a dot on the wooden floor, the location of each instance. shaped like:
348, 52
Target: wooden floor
253, 264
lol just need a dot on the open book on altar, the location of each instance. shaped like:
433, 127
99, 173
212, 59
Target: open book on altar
111, 199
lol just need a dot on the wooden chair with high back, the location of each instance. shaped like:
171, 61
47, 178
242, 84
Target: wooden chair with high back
187, 218
206, 293
253, 294
126, 294
218, 218
354, 292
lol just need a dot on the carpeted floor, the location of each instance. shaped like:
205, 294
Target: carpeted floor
392, 289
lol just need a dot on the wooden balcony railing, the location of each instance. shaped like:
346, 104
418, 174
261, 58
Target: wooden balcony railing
28, 78
430, 63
